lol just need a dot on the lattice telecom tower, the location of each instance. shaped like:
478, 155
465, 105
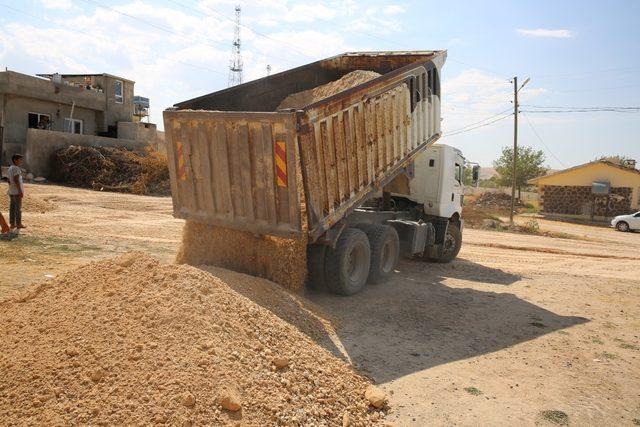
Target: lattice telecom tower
235, 64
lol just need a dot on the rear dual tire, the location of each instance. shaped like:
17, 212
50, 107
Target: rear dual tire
368, 253
347, 266
385, 251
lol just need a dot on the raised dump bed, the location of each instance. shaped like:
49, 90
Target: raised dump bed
237, 162
335, 174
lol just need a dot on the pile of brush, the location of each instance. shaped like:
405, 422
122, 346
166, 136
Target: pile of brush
112, 169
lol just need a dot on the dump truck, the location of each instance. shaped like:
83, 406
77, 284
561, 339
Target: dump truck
356, 174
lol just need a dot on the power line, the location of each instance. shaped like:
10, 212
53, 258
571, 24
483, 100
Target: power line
395, 43
463, 130
177, 3
168, 30
257, 32
482, 121
112, 42
596, 89
587, 73
542, 142
600, 110
581, 108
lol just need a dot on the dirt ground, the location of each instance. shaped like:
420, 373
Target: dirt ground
518, 325
67, 227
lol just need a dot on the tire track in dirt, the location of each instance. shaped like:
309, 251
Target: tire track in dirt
551, 251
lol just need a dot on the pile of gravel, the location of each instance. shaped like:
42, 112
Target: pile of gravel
132, 341
304, 98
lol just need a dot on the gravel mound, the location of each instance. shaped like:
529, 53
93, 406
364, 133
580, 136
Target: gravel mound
129, 341
496, 200
304, 98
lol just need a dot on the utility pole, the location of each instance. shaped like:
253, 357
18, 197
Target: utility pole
516, 89
515, 148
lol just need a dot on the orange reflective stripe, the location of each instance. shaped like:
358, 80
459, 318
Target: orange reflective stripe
281, 163
182, 170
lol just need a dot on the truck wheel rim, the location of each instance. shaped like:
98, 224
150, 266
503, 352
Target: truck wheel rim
449, 244
355, 264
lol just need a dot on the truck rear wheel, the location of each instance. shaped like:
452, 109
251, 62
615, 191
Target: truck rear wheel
347, 266
385, 251
451, 245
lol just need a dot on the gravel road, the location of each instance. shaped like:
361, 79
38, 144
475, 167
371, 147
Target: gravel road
518, 325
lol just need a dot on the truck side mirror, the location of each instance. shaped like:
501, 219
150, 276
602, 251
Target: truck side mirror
475, 175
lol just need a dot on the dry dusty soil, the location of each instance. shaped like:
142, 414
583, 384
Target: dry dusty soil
520, 330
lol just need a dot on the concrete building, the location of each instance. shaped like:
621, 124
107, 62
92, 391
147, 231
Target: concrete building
95, 105
596, 190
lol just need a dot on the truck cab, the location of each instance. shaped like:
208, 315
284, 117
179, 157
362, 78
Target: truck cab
431, 191
438, 181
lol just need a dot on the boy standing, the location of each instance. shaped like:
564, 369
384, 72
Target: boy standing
16, 192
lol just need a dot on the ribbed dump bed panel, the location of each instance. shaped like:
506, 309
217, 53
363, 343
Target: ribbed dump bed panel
351, 147
234, 169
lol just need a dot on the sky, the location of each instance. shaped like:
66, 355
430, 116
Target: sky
576, 54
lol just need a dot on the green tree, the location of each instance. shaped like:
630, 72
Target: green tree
489, 183
529, 165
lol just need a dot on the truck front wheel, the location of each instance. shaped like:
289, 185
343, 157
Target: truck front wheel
451, 245
347, 266
385, 251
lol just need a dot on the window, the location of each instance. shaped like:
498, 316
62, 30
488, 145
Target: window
73, 126
117, 91
432, 163
39, 121
459, 173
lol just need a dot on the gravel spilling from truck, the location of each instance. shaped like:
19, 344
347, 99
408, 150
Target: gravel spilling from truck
132, 341
281, 260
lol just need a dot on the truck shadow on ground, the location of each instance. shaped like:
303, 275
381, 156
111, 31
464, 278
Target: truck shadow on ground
463, 269
414, 321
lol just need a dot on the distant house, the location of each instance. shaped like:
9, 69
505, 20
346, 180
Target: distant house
597, 189
81, 109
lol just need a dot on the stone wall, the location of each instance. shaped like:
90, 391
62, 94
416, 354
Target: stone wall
578, 200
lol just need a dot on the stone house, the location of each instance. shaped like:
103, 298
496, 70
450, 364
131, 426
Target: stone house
596, 190
87, 108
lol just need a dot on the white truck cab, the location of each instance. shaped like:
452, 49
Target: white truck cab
438, 181
426, 202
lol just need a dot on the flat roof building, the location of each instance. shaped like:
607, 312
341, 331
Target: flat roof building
597, 189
